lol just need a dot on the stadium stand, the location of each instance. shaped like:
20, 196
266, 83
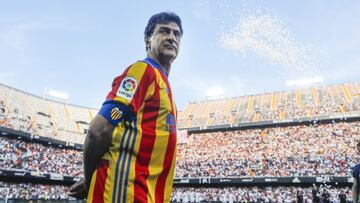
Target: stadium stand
37, 115
297, 143
29, 113
31, 191
230, 194
283, 151
256, 194
320, 149
310, 102
20, 155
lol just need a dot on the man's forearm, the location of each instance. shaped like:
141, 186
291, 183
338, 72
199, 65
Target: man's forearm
97, 142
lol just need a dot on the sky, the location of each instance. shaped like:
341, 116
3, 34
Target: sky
229, 48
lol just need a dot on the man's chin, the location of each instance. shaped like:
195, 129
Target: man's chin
169, 55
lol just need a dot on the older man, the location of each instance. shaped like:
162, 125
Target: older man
130, 147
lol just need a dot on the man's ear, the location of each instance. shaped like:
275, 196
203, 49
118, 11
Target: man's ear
147, 42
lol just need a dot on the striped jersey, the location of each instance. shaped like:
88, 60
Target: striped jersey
139, 165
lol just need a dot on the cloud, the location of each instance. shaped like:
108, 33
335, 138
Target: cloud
202, 88
193, 83
235, 87
8, 78
215, 91
14, 37
343, 73
201, 9
269, 38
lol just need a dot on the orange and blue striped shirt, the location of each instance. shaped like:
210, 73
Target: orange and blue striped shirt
139, 165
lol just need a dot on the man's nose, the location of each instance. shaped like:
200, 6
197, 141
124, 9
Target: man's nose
171, 36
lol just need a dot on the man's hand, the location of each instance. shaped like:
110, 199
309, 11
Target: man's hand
78, 190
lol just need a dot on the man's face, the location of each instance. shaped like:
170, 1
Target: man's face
165, 40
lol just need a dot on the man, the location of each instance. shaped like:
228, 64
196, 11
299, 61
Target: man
130, 147
342, 196
299, 196
356, 178
326, 195
315, 194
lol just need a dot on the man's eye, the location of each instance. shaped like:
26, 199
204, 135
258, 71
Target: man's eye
163, 31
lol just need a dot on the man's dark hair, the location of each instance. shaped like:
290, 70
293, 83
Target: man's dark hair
162, 18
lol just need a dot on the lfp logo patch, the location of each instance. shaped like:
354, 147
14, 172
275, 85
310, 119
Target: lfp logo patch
127, 88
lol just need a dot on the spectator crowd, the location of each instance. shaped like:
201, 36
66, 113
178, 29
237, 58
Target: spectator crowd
324, 149
301, 150
33, 191
265, 195
20, 155
312, 102
30, 191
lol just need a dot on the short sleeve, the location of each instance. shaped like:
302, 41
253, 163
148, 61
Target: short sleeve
128, 92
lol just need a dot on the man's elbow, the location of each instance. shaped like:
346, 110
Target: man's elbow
97, 134
94, 134
100, 130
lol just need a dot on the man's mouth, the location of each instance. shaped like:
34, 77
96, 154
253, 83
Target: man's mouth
170, 46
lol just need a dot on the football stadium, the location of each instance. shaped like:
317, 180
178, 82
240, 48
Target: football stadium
180, 101
271, 147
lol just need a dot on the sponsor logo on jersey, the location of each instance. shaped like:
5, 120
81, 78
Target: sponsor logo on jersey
171, 123
127, 88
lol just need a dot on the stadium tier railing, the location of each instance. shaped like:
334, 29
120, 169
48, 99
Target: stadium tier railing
11, 133
38, 177
340, 117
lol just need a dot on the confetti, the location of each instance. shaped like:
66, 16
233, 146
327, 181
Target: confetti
268, 37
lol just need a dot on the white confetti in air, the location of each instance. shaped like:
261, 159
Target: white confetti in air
268, 37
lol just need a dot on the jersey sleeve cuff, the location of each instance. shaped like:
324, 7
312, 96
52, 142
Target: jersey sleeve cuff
114, 111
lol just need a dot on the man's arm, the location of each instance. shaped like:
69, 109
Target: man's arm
355, 191
97, 142
119, 104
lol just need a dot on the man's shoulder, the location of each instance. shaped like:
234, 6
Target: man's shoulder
141, 65
140, 62
138, 68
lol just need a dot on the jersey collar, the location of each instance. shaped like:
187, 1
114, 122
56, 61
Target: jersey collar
154, 64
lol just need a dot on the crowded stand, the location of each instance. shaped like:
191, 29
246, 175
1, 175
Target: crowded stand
36, 115
22, 111
30, 191
310, 102
266, 194
298, 150
189, 194
19, 155
324, 149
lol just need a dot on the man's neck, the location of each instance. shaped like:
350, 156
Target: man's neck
165, 63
